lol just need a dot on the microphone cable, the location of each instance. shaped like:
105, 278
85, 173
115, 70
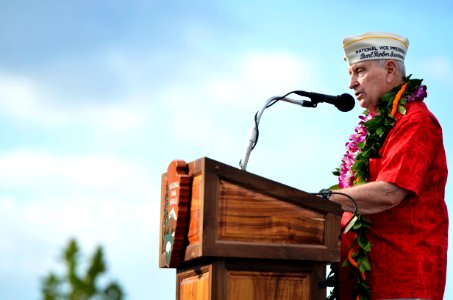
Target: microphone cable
271, 101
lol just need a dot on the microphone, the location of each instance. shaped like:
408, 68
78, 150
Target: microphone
344, 102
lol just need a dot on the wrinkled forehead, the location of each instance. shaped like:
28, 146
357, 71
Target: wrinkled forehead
362, 65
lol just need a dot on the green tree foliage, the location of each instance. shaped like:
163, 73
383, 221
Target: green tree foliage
74, 286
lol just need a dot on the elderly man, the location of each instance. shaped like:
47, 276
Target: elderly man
395, 169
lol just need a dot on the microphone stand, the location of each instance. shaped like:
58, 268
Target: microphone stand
255, 133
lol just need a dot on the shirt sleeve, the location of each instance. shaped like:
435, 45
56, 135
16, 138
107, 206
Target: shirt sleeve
409, 150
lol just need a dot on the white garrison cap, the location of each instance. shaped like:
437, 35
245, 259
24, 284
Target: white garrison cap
375, 45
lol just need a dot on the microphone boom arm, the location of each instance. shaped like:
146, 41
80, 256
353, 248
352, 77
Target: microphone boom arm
304, 103
254, 132
344, 103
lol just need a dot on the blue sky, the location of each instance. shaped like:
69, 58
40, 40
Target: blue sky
97, 97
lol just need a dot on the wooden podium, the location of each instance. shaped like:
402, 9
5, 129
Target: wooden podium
245, 237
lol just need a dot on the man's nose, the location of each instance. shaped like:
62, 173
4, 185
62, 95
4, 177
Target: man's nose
353, 82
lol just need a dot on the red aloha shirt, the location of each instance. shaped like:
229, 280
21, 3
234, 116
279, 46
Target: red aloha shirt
409, 242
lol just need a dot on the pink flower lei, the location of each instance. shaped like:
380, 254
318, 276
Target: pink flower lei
347, 175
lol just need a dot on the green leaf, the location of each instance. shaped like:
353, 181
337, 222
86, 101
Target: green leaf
345, 263
364, 264
380, 131
402, 109
364, 291
359, 164
51, 287
364, 243
334, 187
357, 225
71, 286
113, 292
97, 266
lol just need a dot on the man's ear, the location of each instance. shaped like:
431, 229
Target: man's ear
391, 70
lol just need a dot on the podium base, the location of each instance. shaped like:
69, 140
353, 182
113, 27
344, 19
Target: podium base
250, 279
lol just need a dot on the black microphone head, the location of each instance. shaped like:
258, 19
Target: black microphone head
345, 102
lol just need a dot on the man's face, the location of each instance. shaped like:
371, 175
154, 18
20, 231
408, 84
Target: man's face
369, 81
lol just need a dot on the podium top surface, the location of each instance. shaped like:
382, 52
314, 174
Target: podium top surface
265, 185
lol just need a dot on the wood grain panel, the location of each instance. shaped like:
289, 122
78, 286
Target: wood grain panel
194, 224
194, 284
246, 285
195, 220
249, 216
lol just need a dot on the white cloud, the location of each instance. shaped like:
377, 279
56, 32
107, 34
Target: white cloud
252, 79
31, 168
34, 233
276, 71
217, 111
259, 76
120, 117
46, 198
19, 97
27, 100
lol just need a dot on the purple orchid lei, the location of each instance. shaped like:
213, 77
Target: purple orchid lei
418, 95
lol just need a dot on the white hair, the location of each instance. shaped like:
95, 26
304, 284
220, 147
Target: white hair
399, 66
